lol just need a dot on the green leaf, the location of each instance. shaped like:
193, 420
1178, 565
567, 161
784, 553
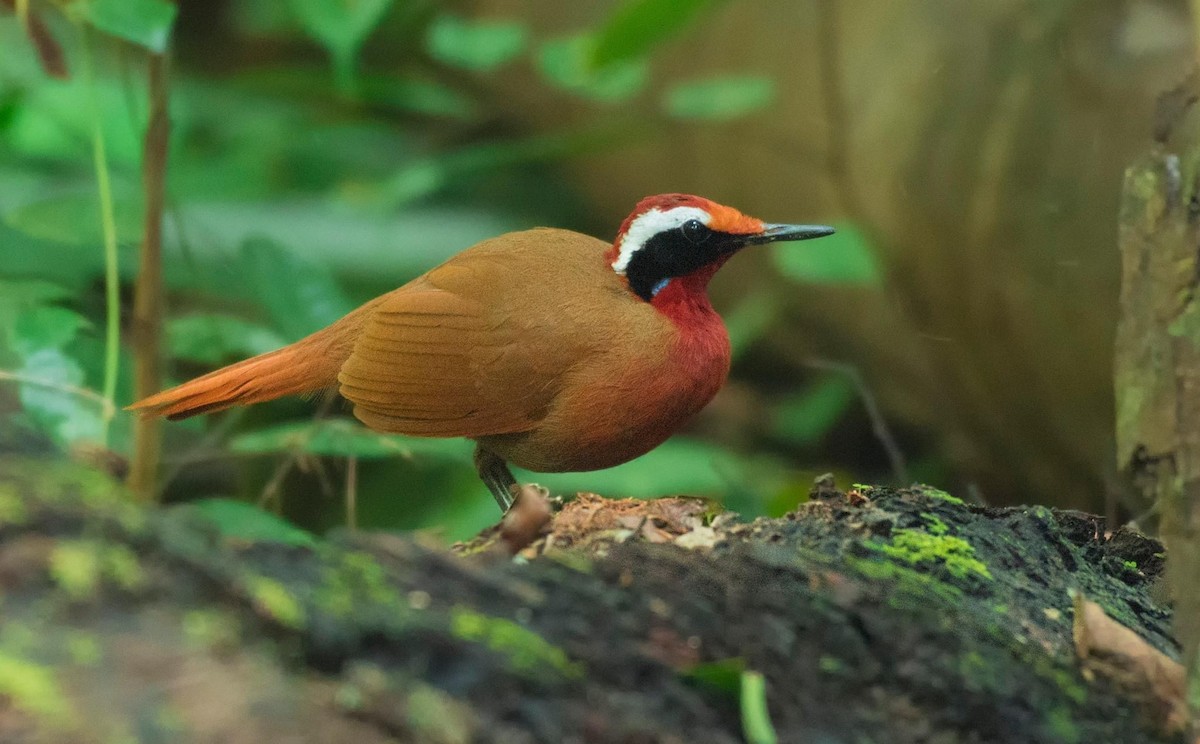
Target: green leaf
480, 46
44, 327
724, 676
242, 521
73, 218
756, 718
301, 296
679, 465
638, 25
566, 63
17, 294
215, 338
808, 416
146, 23
66, 416
342, 438
340, 25
720, 98
846, 257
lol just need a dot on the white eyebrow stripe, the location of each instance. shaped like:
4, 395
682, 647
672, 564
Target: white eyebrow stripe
650, 223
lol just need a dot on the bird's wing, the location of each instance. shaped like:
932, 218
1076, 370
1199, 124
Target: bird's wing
452, 355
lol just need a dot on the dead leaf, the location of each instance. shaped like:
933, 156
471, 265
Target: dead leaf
1148, 676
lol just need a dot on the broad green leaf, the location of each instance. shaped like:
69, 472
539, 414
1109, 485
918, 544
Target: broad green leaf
756, 718
242, 521
480, 46
54, 122
146, 23
215, 338
44, 327
66, 416
808, 416
301, 296
340, 25
73, 218
638, 25
720, 98
343, 438
16, 294
566, 63
846, 257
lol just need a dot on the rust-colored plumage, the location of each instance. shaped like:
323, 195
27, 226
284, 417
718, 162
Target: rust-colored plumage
553, 350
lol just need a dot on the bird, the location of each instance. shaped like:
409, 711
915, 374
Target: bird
552, 350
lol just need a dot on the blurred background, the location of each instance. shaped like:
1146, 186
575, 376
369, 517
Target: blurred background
956, 331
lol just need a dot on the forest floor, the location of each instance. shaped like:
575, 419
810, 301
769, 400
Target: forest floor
874, 615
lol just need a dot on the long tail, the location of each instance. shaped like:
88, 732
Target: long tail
309, 365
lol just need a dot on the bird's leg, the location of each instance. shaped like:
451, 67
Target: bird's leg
494, 473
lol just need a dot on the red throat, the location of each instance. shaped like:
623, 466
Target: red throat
684, 299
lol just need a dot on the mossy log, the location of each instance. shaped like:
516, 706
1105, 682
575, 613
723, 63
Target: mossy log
875, 616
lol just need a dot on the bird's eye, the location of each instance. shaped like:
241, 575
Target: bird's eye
695, 231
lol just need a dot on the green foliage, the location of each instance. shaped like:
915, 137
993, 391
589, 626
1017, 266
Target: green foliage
476, 46
212, 338
846, 257
638, 26
143, 22
341, 438
567, 63
300, 296
242, 521
341, 26
720, 99
805, 417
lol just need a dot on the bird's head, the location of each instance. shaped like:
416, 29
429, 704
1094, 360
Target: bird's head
680, 239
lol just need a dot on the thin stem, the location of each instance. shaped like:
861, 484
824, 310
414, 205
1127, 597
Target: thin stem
108, 222
106, 405
879, 426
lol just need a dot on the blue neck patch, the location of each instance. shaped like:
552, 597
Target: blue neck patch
662, 283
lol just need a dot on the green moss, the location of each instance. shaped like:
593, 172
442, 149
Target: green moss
934, 525
1131, 565
79, 566
274, 600
912, 589
917, 547
120, 565
352, 579
75, 567
209, 629
937, 493
12, 508
1060, 724
830, 664
83, 649
526, 651
34, 690
436, 717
